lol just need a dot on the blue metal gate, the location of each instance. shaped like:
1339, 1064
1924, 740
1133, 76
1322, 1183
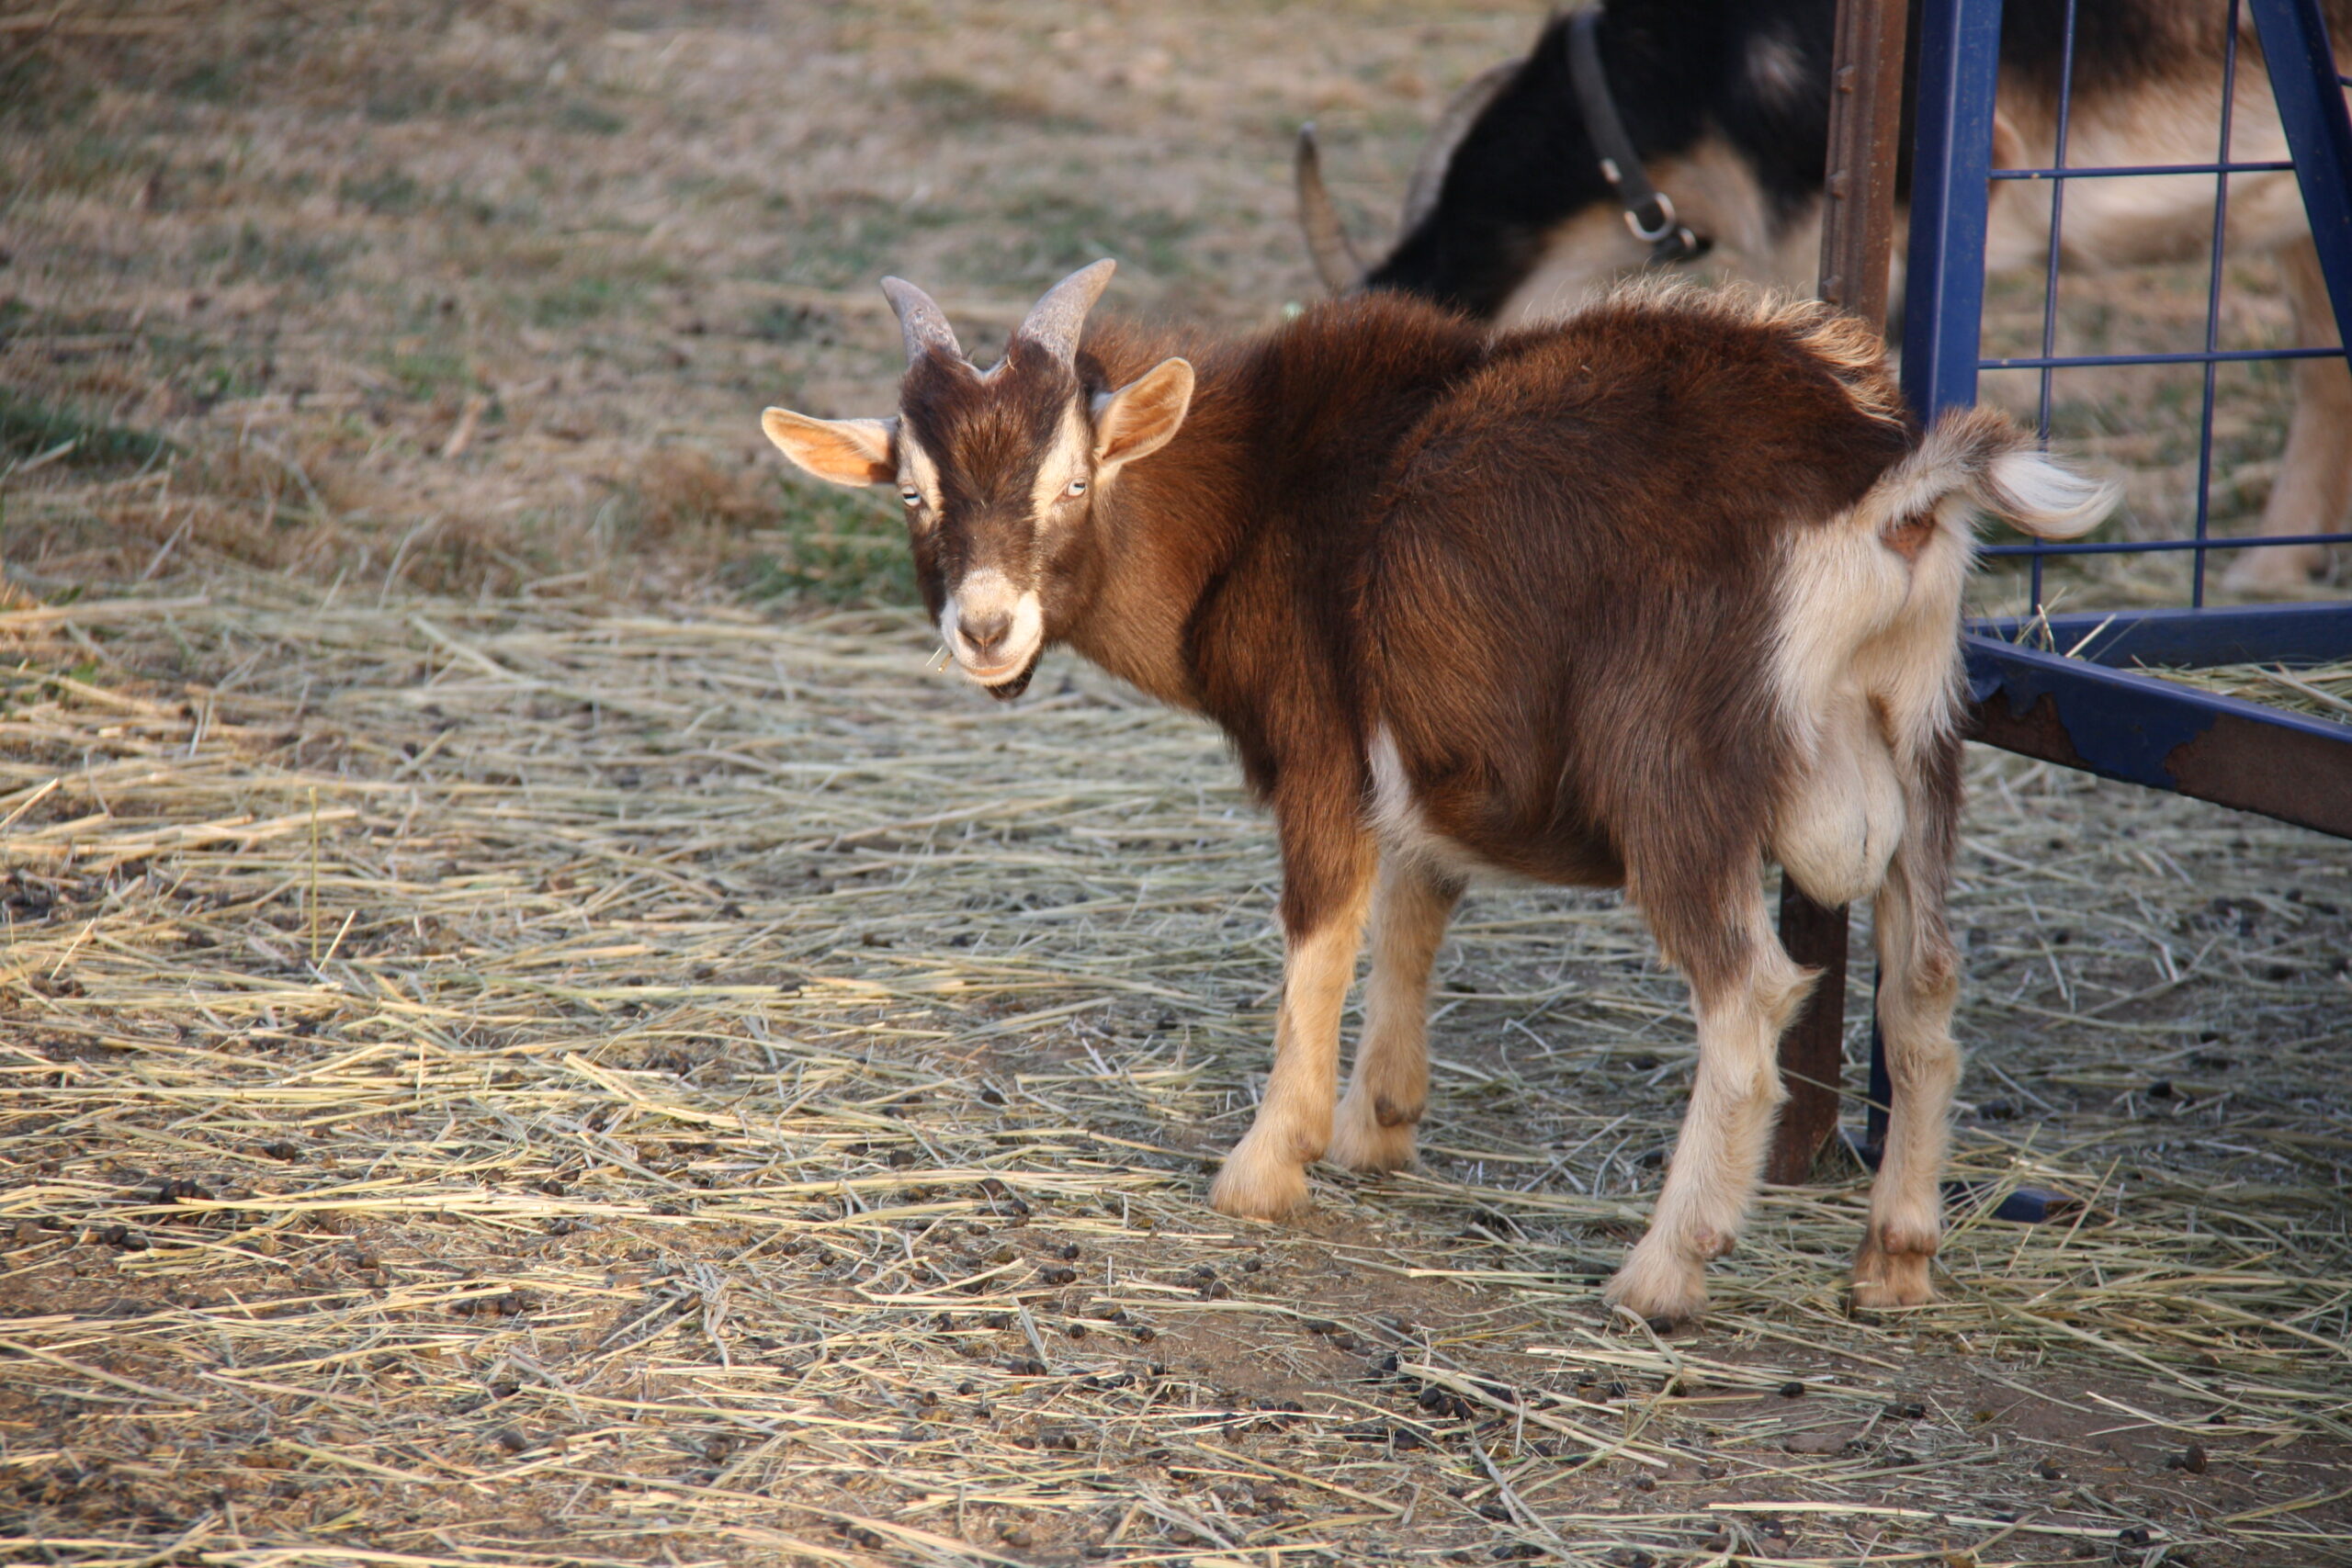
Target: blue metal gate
2078, 699
2070, 688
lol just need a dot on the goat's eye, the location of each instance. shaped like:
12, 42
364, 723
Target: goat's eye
912, 497
1076, 487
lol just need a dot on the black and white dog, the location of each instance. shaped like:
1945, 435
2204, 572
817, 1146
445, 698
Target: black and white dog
1724, 105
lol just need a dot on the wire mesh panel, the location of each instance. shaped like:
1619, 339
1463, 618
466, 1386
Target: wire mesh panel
2182, 378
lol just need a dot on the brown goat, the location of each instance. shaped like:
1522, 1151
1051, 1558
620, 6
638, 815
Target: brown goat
1640, 598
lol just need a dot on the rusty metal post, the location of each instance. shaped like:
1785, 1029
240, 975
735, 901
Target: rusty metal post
1857, 233
1865, 142
1812, 1053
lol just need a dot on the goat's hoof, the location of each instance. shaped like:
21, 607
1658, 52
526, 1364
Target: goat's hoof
1884, 1278
1258, 1183
1660, 1287
2281, 568
1362, 1140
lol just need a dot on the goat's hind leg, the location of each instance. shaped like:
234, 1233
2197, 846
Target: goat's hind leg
1390, 1087
1745, 990
1920, 984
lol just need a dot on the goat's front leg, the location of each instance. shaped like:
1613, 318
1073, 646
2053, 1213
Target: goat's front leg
2314, 482
1390, 1087
1744, 989
1327, 880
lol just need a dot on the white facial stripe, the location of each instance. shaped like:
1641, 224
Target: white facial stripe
920, 471
1064, 461
982, 594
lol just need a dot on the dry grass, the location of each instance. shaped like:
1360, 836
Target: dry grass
2322, 691
526, 1037
549, 1082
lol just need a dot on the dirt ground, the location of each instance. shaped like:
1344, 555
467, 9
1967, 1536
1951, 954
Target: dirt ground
536, 1027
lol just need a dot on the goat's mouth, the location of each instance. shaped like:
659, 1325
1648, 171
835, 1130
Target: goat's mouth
1007, 681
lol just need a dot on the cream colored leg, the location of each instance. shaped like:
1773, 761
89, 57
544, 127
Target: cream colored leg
1265, 1176
1719, 1158
2314, 486
1919, 973
1390, 1087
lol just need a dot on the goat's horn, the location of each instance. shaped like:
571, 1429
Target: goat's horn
1053, 322
1336, 261
921, 319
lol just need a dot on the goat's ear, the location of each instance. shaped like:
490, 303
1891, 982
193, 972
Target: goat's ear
1140, 417
846, 451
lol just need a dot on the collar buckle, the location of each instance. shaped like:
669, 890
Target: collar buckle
1659, 226
1649, 212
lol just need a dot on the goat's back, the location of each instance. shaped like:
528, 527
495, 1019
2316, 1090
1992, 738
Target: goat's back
1569, 607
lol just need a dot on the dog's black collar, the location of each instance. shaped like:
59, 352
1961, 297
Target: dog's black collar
1649, 213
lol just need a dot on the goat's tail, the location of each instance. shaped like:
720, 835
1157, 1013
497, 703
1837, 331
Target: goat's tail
1981, 454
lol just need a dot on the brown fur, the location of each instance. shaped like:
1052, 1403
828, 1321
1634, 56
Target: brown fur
1636, 466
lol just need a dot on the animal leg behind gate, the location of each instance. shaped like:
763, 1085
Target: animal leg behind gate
2315, 484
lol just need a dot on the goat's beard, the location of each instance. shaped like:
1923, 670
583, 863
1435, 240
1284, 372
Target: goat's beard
1006, 691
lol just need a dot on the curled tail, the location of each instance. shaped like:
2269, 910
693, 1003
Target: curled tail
1980, 459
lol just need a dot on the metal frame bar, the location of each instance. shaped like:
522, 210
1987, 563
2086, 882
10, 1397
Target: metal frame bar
2310, 95
2157, 546
2214, 307
2130, 171
2187, 639
1857, 242
1951, 160
2045, 393
2120, 724
2173, 356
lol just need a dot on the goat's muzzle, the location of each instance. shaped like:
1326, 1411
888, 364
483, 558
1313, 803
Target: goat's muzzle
995, 631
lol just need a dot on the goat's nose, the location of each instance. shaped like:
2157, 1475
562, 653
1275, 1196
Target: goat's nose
987, 632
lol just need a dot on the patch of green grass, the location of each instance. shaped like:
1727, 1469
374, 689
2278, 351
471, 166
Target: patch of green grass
39, 92
960, 103
843, 244
424, 374
211, 81
87, 162
401, 90
574, 300
251, 252
840, 546
593, 118
782, 323
30, 428
387, 193
1053, 235
207, 371
459, 203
